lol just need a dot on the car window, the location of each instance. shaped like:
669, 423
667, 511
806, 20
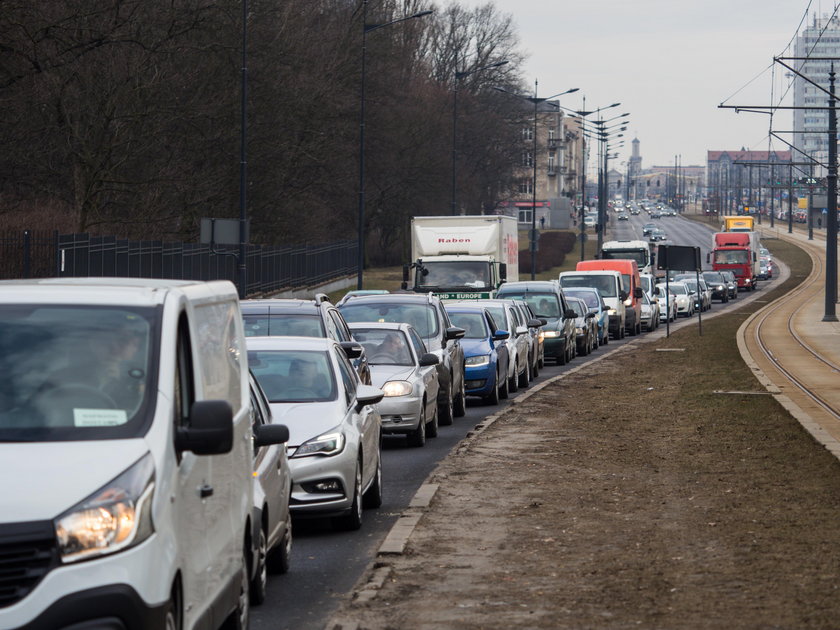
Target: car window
604, 283
473, 323
341, 328
514, 316
294, 375
422, 316
578, 307
384, 346
348, 377
542, 304
498, 314
417, 342
283, 325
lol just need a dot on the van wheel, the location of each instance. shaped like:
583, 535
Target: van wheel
260, 580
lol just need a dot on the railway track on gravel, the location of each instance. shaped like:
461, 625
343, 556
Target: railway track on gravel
795, 350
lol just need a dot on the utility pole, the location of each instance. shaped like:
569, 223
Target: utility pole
831, 208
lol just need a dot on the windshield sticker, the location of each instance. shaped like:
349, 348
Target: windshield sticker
99, 417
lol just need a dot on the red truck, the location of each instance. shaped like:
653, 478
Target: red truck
737, 252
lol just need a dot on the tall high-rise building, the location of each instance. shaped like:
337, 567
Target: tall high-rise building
819, 40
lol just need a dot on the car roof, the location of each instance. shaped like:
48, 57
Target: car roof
381, 298
529, 284
380, 325
278, 305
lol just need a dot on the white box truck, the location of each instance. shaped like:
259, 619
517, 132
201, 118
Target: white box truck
462, 257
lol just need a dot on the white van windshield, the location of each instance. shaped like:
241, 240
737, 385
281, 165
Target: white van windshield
605, 283
75, 372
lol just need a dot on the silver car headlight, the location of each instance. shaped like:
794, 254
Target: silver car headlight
482, 359
327, 444
628, 302
115, 517
579, 330
397, 388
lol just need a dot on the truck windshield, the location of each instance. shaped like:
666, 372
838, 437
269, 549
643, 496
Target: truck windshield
455, 273
640, 256
732, 257
75, 372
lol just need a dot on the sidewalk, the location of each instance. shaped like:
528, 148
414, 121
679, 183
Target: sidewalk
622, 494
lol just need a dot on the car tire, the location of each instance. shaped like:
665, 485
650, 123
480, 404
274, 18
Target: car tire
541, 360
459, 405
173, 618
535, 368
513, 381
280, 558
352, 521
259, 582
417, 438
493, 397
525, 377
504, 390
432, 425
563, 357
372, 498
446, 413
240, 618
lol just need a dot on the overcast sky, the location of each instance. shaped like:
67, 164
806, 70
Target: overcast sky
669, 62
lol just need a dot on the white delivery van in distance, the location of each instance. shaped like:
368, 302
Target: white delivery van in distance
126, 454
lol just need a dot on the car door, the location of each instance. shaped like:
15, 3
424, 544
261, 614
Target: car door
428, 373
268, 466
453, 349
521, 337
366, 420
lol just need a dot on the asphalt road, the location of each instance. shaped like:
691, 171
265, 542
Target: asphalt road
326, 564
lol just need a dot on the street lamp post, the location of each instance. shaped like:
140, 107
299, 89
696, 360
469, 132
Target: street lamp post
536, 101
458, 76
366, 28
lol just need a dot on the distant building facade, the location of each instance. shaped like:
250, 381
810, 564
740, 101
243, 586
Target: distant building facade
741, 179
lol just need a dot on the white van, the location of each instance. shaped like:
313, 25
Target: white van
126, 454
611, 288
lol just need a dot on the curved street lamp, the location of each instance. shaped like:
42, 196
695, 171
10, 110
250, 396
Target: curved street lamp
458, 76
536, 101
367, 28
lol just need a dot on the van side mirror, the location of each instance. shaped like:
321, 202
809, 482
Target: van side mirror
656, 291
268, 434
502, 271
708, 257
622, 295
638, 293
210, 431
404, 284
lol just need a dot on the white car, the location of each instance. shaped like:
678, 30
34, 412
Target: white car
667, 304
272, 493
334, 426
683, 298
402, 367
650, 313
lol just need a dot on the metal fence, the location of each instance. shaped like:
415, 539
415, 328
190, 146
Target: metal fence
269, 268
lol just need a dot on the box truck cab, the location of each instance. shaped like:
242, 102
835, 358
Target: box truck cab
640, 251
631, 284
737, 252
609, 285
462, 257
126, 454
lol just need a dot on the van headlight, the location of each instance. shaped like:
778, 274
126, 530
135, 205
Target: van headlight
115, 517
396, 388
328, 444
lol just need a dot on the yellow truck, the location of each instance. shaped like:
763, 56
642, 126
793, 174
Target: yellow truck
738, 224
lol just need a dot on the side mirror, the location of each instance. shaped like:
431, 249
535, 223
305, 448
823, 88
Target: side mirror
570, 314
535, 323
502, 271
268, 434
429, 359
622, 295
656, 291
352, 349
454, 333
210, 431
500, 335
590, 315
543, 321
367, 395
637, 293
404, 284
709, 257
521, 330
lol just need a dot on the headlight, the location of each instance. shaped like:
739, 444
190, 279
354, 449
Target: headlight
328, 444
611, 312
720, 288
115, 517
628, 302
482, 359
579, 331
551, 334
396, 388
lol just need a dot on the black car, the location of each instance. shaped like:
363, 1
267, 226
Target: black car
717, 283
425, 312
284, 317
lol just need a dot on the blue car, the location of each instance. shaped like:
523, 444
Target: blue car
485, 352
596, 305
